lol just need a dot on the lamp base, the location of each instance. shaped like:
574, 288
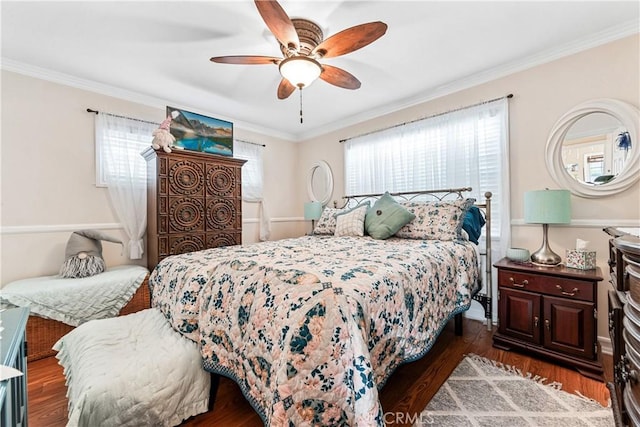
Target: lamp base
544, 256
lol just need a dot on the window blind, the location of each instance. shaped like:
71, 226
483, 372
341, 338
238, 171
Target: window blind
126, 137
459, 149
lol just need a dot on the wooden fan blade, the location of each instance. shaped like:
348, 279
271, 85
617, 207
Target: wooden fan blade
285, 88
354, 38
279, 23
246, 60
339, 77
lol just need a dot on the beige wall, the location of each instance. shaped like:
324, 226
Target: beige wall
48, 166
541, 95
48, 176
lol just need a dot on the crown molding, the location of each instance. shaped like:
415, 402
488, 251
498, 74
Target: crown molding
620, 31
11, 65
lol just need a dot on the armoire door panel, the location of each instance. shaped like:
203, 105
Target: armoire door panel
186, 177
221, 180
223, 213
186, 214
183, 243
216, 240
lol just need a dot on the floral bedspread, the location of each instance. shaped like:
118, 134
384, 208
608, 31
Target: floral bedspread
310, 328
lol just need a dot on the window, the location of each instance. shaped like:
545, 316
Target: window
253, 180
119, 142
465, 148
121, 168
594, 167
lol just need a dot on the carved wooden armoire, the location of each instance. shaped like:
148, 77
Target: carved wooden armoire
194, 202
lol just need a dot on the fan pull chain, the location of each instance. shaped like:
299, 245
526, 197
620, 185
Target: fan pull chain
301, 121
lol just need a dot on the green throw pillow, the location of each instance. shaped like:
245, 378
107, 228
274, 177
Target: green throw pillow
386, 217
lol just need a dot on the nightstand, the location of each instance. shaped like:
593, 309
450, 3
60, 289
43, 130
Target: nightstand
550, 311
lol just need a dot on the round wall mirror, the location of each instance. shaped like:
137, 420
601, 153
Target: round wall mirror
593, 150
320, 182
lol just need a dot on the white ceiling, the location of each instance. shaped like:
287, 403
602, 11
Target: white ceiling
157, 52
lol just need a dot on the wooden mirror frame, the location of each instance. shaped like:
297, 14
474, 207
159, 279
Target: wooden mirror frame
326, 197
628, 115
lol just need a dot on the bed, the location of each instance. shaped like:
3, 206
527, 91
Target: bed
311, 328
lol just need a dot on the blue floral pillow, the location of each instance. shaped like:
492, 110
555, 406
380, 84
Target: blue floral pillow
441, 220
327, 222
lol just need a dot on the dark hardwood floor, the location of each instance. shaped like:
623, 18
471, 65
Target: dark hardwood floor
408, 390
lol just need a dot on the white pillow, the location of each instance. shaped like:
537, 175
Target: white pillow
351, 223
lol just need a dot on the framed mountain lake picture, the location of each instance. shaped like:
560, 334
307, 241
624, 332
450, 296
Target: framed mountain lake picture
196, 132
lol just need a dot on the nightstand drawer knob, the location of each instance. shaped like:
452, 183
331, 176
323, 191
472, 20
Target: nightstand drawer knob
570, 294
536, 321
518, 285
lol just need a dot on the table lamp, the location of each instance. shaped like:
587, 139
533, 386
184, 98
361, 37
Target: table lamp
312, 211
547, 207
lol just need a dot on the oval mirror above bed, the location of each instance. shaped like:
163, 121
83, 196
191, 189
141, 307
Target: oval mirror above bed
320, 182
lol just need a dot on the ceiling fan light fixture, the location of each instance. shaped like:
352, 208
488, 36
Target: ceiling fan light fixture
301, 71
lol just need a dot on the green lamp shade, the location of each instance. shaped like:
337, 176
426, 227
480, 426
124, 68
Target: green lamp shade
547, 207
312, 210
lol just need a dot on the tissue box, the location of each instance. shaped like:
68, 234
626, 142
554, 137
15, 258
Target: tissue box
582, 260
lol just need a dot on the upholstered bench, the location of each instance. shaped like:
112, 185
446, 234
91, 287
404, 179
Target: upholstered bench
57, 304
132, 370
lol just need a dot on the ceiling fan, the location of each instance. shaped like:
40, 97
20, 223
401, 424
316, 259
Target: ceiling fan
302, 45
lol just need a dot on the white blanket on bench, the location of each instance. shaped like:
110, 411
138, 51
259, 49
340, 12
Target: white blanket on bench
75, 301
132, 371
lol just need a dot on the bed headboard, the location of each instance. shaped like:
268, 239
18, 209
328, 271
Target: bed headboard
425, 195
441, 195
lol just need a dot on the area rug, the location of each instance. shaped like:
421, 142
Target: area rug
482, 392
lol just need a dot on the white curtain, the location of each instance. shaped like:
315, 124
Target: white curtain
119, 142
253, 181
465, 148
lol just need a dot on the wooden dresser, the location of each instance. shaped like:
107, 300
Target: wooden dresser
550, 311
194, 202
624, 328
